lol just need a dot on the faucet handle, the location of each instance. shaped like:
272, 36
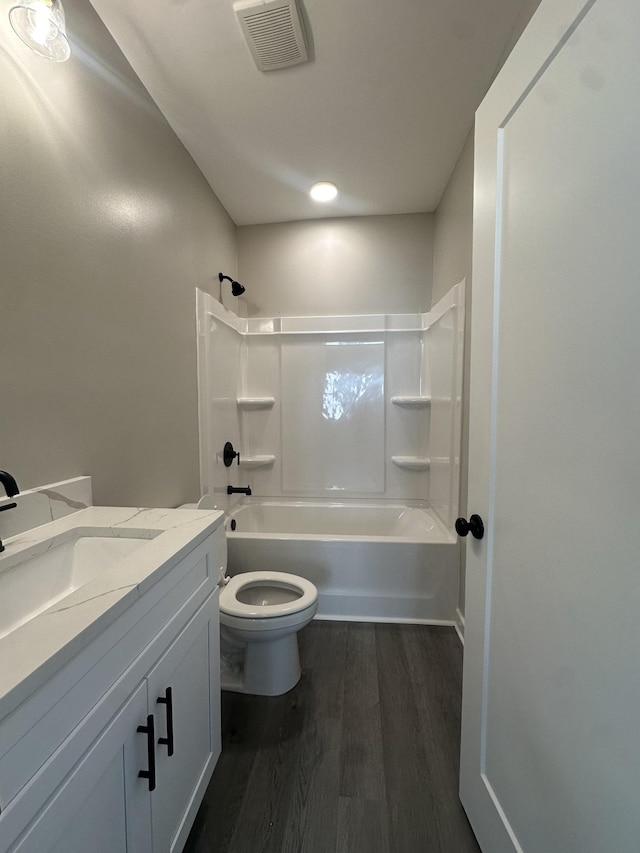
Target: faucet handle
229, 454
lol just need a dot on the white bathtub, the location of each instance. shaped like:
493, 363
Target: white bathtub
370, 561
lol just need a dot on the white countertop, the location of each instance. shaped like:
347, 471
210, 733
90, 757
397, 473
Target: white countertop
32, 653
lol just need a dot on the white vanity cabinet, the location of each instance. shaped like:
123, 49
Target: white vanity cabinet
102, 806
184, 697
86, 792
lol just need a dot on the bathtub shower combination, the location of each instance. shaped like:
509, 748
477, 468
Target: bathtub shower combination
380, 563
348, 434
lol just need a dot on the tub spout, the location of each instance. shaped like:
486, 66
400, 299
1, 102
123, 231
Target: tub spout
239, 490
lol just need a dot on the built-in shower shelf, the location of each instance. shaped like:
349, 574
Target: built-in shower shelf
412, 463
257, 461
411, 402
255, 402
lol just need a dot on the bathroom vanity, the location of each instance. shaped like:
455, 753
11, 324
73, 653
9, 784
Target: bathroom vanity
109, 684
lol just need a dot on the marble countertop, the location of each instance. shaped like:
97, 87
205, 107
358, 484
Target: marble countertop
33, 652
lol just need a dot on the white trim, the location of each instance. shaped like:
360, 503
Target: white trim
384, 620
343, 324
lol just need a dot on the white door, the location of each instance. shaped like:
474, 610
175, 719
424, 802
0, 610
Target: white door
551, 705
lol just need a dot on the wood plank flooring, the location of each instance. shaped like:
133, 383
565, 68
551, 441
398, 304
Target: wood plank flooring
362, 755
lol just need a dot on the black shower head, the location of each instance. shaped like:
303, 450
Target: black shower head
236, 287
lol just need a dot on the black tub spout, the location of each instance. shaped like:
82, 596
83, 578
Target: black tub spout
239, 490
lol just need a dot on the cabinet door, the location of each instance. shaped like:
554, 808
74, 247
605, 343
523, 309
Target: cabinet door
102, 806
190, 669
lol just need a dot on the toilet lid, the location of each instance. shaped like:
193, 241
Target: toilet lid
306, 594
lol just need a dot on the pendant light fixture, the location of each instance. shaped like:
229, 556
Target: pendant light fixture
40, 24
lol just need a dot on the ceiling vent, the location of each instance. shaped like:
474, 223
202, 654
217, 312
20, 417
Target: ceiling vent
273, 30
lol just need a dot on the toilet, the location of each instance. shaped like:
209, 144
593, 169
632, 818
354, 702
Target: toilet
260, 616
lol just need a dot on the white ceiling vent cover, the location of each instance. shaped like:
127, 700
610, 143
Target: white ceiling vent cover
273, 31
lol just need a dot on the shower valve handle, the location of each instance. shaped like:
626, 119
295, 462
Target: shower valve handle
474, 526
229, 454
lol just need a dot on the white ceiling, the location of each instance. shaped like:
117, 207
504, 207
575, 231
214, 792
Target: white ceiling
383, 108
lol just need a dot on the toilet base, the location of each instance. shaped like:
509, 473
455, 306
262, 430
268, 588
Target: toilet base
268, 669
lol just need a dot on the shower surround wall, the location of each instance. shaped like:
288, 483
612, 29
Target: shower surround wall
338, 408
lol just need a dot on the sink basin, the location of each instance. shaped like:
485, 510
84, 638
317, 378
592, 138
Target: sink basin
32, 582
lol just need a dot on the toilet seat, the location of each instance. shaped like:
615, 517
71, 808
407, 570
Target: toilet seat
230, 605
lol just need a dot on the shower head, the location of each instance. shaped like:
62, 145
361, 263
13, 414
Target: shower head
236, 287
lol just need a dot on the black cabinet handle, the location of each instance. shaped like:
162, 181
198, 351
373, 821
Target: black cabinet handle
474, 526
167, 700
149, 774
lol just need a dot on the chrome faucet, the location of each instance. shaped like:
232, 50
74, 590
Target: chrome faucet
11, 489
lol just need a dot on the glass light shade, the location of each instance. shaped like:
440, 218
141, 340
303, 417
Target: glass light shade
40, 24
323, 191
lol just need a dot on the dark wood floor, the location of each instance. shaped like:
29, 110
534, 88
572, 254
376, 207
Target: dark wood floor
362, 755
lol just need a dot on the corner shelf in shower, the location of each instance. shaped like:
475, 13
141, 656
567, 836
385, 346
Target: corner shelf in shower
412, 463
257, 461
255, 402
411, 402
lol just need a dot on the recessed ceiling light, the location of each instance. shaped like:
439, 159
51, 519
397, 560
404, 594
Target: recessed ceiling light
323, 191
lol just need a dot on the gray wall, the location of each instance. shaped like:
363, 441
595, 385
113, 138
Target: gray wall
453, 223
360, 265
453, 243
526, 13
453, 240
106, 228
